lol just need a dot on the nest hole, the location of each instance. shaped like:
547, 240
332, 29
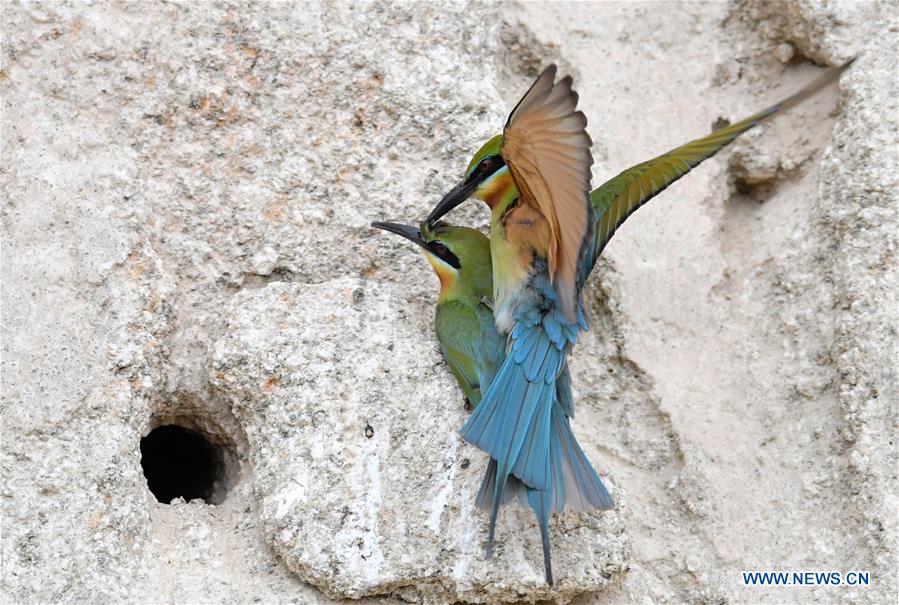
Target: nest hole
180, 462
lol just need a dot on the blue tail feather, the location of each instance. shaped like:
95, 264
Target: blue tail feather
522, 421
504, 419
535, 363
532, 464
484, 499
583, 487
540, 502
530, 451
516, 411
563, 392
571, 479
485, 425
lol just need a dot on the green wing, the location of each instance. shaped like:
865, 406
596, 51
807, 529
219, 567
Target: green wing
619, 197
458, 333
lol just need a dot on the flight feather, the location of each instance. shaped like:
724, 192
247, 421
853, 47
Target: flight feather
547, 149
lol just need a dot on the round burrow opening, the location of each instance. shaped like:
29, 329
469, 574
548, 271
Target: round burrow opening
183, 462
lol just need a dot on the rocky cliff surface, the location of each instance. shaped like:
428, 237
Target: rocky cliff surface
187, 190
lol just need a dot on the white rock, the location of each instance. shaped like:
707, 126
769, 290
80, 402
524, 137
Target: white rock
187, 193
375, 471
784, 52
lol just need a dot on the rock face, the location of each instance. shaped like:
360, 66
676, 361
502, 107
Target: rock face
186, 198
363, 486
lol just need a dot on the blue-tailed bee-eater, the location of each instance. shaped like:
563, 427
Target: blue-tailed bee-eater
474, 349
546, 232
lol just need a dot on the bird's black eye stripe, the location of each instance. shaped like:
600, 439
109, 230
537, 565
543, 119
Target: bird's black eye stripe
488, 166
440, 250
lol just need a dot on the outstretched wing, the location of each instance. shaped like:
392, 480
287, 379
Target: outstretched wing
547, 149
619, 197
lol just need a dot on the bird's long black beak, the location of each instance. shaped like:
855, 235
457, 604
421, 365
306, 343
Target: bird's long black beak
456, 196
410, 233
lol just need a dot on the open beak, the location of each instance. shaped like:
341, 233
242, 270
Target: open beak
410, 233
456, 196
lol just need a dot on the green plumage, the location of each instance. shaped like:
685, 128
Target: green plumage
620, 196
469, 341
465, 318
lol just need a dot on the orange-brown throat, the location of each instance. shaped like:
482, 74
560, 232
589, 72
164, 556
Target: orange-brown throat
496, 189
446, 274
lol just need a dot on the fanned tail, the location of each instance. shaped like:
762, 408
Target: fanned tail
513, 421
571, 480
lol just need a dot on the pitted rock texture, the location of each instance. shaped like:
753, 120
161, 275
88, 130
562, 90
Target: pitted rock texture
187, 190
363, 489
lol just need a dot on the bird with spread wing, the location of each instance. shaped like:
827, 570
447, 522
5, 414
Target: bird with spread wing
547, 230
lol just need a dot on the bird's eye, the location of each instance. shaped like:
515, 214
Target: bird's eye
485, 165
438, 248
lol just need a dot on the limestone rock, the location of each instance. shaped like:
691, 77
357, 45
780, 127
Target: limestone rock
364, 485
187, 190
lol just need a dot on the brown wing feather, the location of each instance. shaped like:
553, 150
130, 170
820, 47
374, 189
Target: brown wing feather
548, 153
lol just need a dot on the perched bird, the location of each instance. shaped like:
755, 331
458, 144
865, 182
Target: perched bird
474, 349
544, 243
470, 344
535, 178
